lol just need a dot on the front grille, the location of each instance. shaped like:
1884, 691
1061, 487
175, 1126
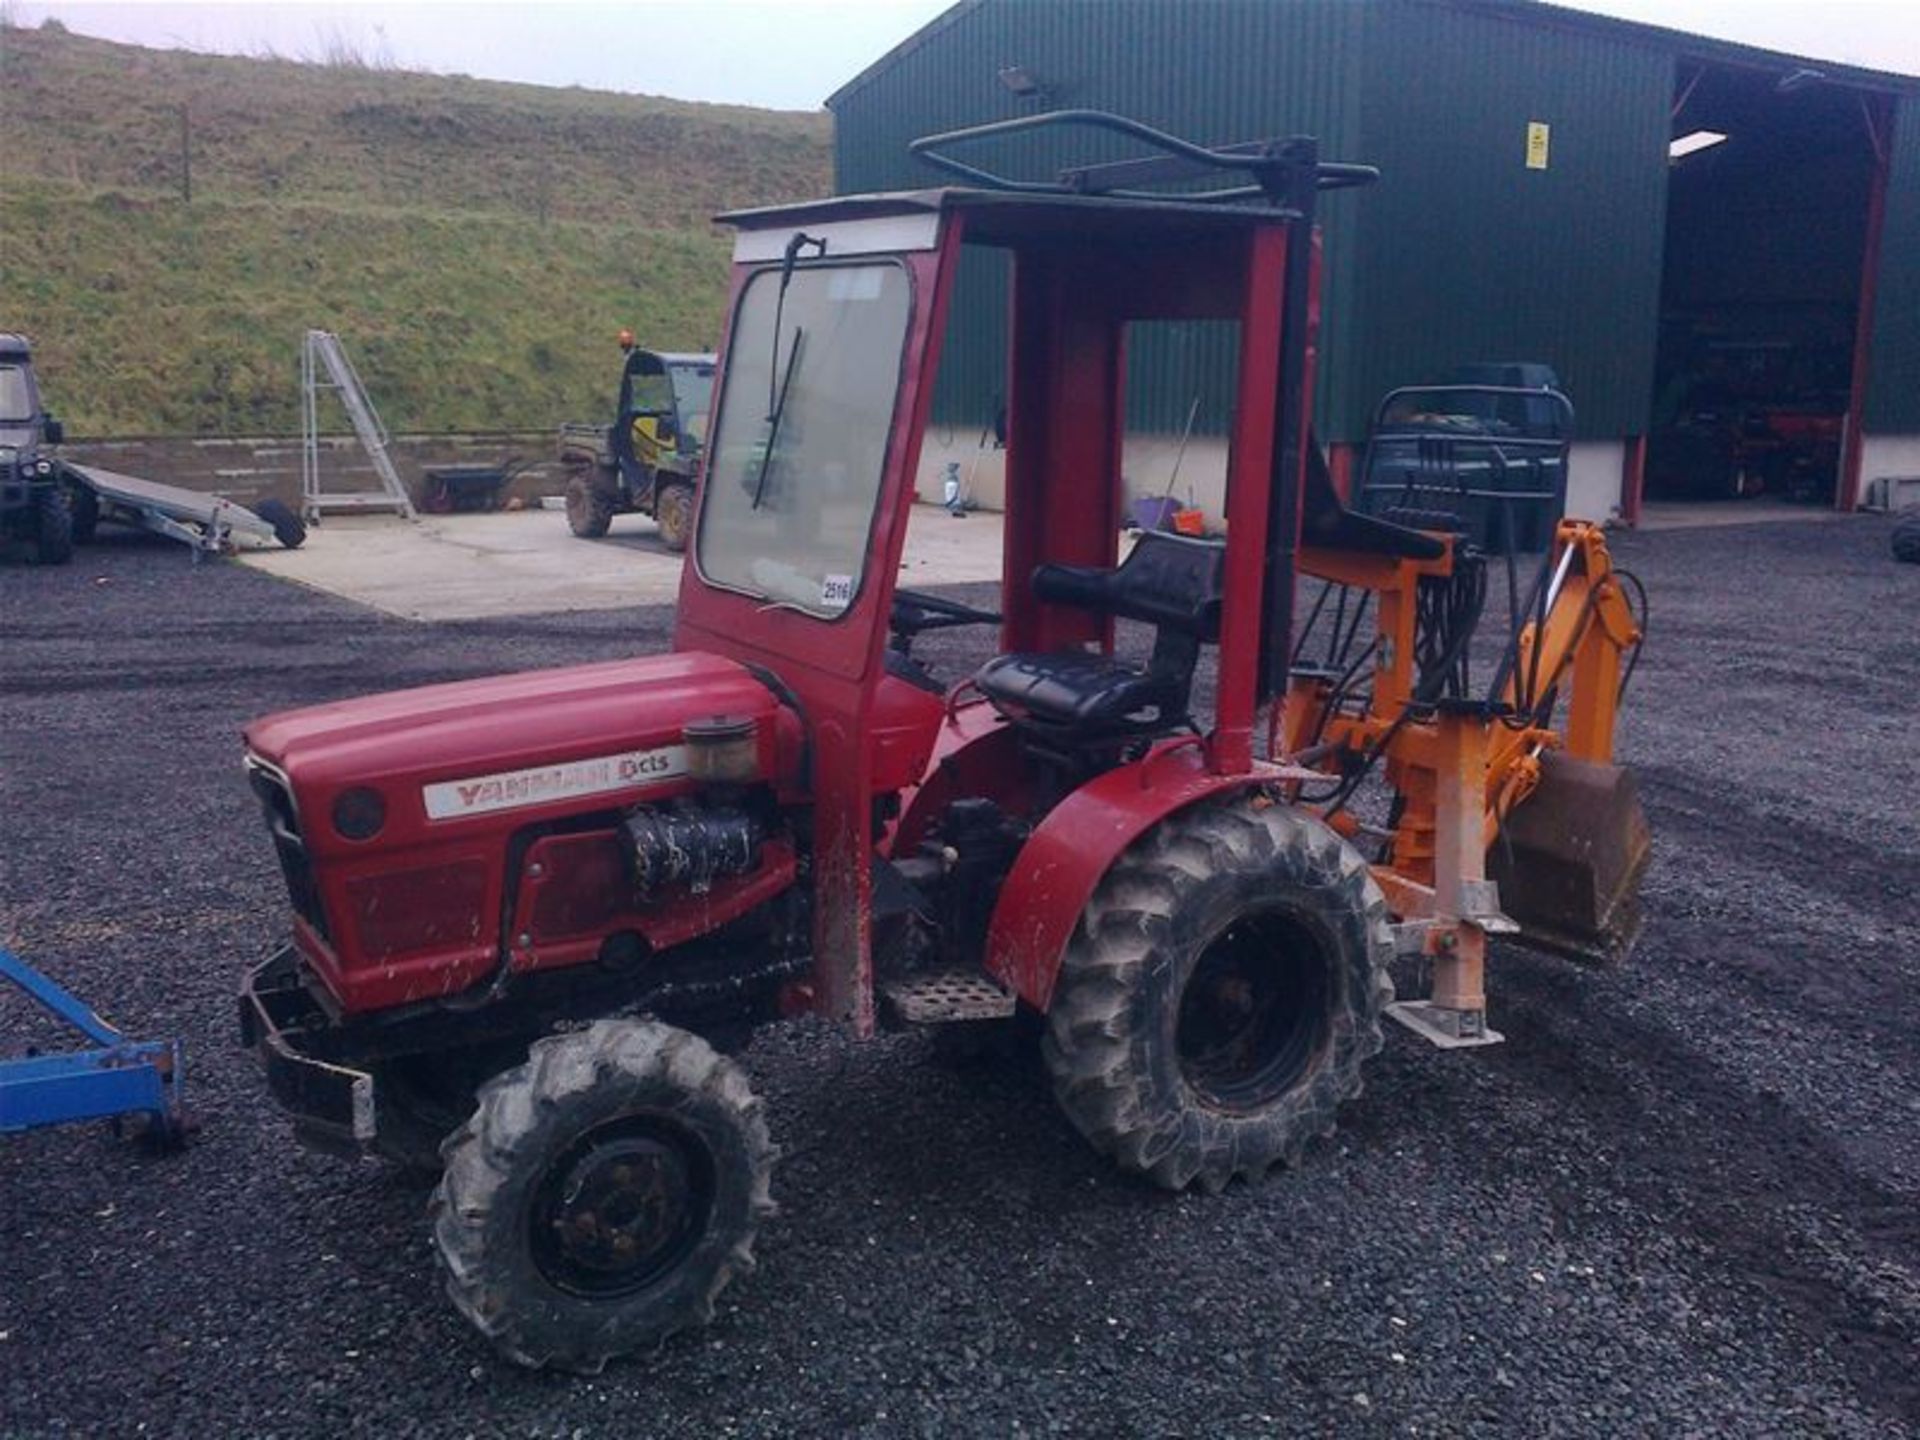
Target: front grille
283, 824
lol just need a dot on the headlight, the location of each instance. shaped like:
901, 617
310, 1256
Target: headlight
43, 467
359, 813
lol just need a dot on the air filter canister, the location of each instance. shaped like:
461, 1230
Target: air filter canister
723, 749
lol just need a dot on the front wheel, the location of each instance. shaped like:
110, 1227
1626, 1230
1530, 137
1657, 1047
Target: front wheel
52, 526
673, 513
603, 1194
1221, 995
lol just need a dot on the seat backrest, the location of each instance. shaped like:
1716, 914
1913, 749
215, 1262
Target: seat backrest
1171, 582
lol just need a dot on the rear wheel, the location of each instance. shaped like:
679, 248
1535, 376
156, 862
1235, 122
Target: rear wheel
673, 512
1221, 995
603, 1194
589, 506
52, 526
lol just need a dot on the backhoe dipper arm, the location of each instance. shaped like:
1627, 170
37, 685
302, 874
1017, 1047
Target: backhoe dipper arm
1576, 650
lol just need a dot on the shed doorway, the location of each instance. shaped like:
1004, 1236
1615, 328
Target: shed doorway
1773, 180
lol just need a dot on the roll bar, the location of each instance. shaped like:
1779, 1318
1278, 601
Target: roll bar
1272, 164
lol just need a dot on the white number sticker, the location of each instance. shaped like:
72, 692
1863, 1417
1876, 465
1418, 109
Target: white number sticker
836, 592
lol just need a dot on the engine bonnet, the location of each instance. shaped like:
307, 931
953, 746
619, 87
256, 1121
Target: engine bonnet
461, 743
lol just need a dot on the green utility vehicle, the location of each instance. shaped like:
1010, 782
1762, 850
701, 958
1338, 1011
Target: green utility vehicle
35, 503
646, 461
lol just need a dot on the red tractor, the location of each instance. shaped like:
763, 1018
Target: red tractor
532, 912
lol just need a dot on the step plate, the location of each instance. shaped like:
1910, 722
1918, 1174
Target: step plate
947, 996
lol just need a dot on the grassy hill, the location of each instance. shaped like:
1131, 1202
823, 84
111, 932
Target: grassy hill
476, 244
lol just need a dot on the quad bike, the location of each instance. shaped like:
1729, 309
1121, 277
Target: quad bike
532, 913
647, 461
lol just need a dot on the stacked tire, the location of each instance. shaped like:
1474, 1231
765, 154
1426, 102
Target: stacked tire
1906, 538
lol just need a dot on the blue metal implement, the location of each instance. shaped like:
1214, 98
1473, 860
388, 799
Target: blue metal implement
117, 1076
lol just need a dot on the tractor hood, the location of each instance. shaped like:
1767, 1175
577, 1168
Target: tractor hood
540, 742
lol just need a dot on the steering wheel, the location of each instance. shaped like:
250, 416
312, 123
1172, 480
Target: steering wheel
915, 613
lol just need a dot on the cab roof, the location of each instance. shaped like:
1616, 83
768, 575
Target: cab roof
1002, 217
13, 347
670, 358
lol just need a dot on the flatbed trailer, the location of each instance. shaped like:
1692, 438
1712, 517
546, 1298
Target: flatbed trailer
208, 524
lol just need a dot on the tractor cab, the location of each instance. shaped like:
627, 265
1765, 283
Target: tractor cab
827, 375
664, 400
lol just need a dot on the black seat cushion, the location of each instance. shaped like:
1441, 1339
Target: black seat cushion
1091, 695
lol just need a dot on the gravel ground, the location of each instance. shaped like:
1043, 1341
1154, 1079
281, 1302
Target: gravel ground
1683, 1198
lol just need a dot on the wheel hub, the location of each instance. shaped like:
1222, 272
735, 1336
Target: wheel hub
622, 1208
1252, 1016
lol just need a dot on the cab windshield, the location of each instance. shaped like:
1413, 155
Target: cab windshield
794, 473
16, 400
693, 394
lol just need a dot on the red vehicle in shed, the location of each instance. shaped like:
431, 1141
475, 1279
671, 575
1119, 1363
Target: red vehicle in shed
530, 912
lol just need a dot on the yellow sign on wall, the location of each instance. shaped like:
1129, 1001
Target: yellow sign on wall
1538, 132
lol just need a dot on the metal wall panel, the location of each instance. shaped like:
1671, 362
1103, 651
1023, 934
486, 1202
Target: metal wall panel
1467, 253
1893, 393
1462, 253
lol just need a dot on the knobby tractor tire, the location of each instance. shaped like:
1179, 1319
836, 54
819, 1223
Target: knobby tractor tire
589, 506
1221, 994
288, 528
603, 1194
52, 526
673, 513
1906, 539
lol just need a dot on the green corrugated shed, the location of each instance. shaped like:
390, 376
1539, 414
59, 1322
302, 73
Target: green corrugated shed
1461, 253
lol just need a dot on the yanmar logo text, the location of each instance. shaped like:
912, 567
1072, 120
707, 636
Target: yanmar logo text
513, 789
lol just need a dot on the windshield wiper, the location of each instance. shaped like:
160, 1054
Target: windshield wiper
775, 415
777, 400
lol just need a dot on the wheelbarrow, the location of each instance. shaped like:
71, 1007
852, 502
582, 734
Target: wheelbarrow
464, 489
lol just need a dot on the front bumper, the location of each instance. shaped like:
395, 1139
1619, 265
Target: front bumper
286, 1028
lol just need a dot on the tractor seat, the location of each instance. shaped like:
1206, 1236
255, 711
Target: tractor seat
1167, 581
1082, 693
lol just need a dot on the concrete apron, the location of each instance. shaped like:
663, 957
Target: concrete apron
465, 567
1700, 514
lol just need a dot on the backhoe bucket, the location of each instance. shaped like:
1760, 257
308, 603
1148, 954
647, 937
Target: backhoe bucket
1570, 858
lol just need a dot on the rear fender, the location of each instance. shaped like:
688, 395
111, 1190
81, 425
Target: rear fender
1063, 861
